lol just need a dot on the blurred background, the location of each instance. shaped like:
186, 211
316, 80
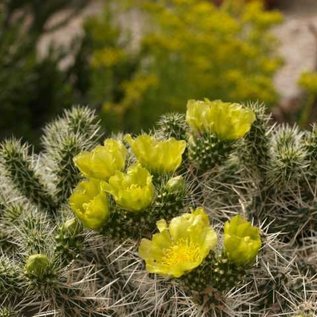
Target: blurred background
133, 60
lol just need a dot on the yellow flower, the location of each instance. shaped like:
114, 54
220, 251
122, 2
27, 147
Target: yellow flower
103, 161
229, 121
179, 247
90, 204
134, 190
155, 155
242, 241
308, 81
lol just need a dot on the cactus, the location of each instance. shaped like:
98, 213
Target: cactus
212, 214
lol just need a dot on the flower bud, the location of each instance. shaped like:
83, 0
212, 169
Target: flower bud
175, 184
157, 156
71, 226
133, 190
103, 161
242, 241
90, 204
37, 265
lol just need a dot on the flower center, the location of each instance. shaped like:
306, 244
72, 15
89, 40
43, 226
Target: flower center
183, 251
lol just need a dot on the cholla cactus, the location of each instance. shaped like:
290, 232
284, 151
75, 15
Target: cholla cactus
212, 214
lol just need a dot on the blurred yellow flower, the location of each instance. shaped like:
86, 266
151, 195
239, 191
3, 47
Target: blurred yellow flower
134, 190
157, 156
107, 57
103, 161
242, 241
229, 121
308, 81
179, 247
90, 204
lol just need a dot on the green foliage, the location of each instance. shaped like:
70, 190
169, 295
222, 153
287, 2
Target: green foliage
51, 264
111, 65
180, 50
33, 89
308, 82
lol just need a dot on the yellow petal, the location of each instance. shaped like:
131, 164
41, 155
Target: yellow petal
163, 156
229, 121
242, 241
103, 161
90, 204
133, 190
179, 247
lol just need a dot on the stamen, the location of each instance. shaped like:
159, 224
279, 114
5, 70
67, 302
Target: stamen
180, 252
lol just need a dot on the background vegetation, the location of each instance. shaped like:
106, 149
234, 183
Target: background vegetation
33, 89
187, 49
178, 50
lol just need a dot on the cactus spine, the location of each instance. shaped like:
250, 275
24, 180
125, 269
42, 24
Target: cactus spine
52, 265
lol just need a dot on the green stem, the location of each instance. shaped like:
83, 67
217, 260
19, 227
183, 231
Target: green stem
307, 110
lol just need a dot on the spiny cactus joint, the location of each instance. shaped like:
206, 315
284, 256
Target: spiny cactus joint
212, 214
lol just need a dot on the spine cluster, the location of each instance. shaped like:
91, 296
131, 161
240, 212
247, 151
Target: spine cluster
212, 214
